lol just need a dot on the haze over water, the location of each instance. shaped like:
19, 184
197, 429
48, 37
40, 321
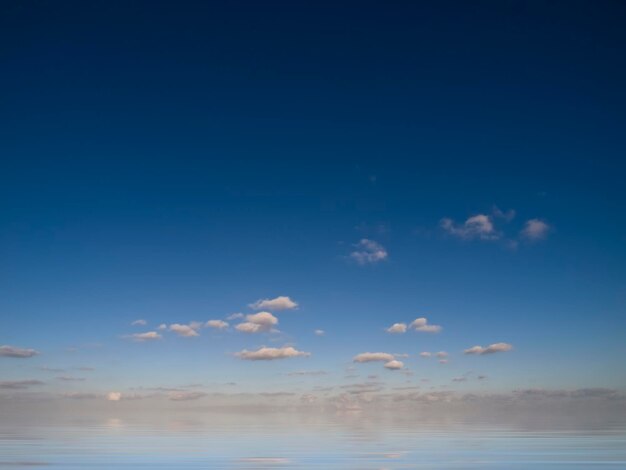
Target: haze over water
276, 439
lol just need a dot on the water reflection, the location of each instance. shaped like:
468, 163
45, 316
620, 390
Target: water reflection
302, 441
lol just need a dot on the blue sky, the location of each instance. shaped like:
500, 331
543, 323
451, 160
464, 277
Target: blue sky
177, 164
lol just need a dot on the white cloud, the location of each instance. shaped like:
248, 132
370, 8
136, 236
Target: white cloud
535, 229
421, 324
279, 303
147, 336
426, 354
235, 316
319, 332
114, 396
257, 323
162, 327
219, 324
394, 365
373, 356
491, 349
269, 354
476, 227
183, 330
441, 354
12, 351
397, 328
262, 318
139, 323
368, 252
247, 327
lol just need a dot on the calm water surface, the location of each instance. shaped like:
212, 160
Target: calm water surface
214, 441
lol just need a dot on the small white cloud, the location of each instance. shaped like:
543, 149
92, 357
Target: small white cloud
21, 353
421, 324
319, 332
368, 252
262, 318
394, 365
257, 323
247, 327
162, 327
535, 229
373, 357
269, 354
114, 396
279, 303
476, 227
426, 354
491, 349
443, 361
218, 324
397, 328
147, 336
139, 323
235, 316
442, 354
183, 330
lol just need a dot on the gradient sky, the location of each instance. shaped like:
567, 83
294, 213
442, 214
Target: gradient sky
176, 163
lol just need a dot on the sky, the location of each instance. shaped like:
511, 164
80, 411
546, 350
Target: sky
327, 180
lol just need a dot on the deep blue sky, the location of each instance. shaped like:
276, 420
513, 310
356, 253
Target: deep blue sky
176, 162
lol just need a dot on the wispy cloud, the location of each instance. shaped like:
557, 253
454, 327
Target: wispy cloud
67, 378
18, 384
505, 215
21, 353
185, 396
319, 332
307, 372
368, 252
476, 227
278, 303
270, 354
81, 395
491, 349
139, 322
